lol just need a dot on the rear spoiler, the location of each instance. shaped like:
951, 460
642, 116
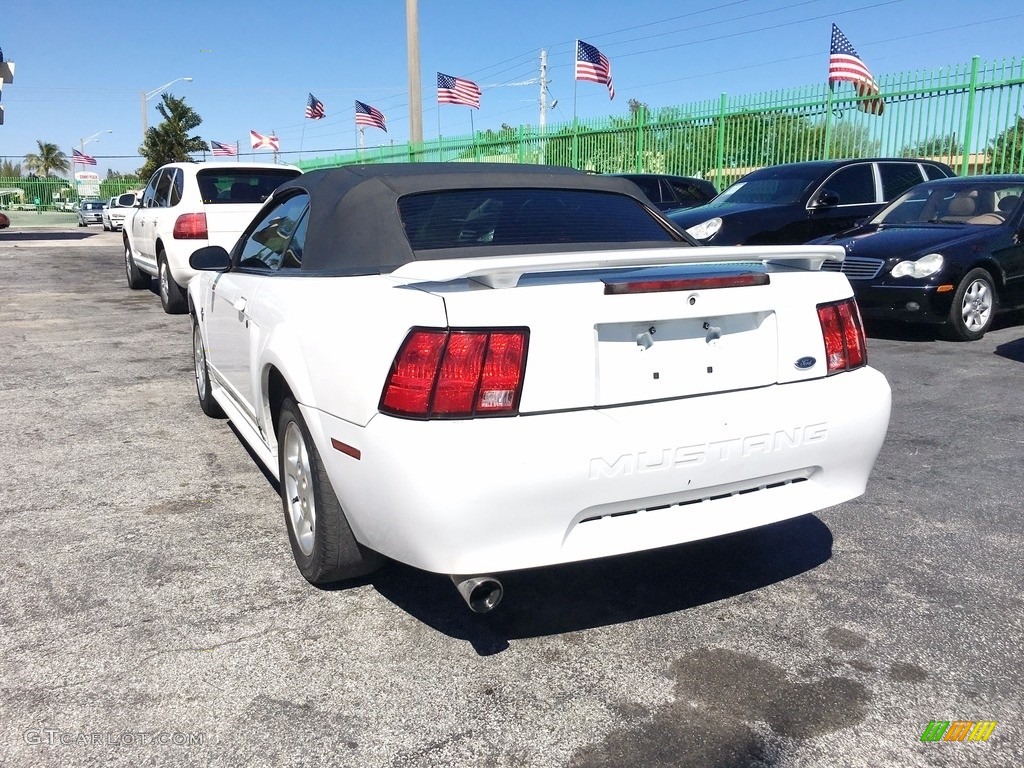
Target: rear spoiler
505, 271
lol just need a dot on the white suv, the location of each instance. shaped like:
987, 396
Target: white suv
187, 206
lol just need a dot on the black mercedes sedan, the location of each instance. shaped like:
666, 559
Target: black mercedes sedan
793, 203
948, 252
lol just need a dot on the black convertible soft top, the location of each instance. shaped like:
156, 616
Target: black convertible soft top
356, 227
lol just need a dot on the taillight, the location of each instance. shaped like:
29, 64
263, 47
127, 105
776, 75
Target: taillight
190, 226
456, 373
843, 332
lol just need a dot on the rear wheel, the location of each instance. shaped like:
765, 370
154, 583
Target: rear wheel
322, 542
974, 307
137, 279
171, 295
203, 387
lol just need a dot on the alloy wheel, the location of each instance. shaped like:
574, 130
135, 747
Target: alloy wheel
977, 305
298, 484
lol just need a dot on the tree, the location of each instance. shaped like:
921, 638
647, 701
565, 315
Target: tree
1006, 152
939, 147
10, 170
170, 142
49, 158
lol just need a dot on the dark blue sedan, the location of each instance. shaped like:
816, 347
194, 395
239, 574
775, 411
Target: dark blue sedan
948, 252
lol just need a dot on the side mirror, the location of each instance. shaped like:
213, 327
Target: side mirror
126, 200
826, 199
212, 258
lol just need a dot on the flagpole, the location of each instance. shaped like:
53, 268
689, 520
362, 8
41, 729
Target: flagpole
238, 153
472, 132
575, 125
274, 134
302, 139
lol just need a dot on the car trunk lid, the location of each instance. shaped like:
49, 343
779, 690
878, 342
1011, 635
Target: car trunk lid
609, 329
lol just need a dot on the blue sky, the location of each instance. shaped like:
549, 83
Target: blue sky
82, 66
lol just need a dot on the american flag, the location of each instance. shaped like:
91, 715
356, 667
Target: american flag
844, 64
314, 108
81, 157
223, 150
259, 141
367, 115
592, 65
455, 90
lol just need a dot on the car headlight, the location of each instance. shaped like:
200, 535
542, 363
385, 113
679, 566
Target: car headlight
923, 267
705, 229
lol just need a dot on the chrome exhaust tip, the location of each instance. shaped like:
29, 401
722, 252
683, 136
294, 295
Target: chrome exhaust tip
481, 593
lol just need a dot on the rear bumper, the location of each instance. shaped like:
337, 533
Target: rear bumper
505, 494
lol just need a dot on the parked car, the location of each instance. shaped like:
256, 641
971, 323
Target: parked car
90, 212
4, 221
482, 368
117, 209
798, 202
948, 252
186, 206
670, 193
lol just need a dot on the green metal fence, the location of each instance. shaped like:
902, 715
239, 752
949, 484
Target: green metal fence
967, 115
54, 194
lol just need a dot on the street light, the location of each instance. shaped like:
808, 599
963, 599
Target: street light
147, 95
94, 137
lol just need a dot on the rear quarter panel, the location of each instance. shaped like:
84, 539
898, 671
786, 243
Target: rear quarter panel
334, 338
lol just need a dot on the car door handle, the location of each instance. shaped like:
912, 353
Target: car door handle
239, 304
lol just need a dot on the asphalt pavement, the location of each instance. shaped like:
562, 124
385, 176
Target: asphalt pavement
151, 614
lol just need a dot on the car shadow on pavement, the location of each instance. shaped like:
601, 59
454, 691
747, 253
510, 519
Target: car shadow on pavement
567, 598
1013, 350
44, 235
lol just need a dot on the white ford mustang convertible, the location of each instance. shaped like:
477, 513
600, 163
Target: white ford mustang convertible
474, 369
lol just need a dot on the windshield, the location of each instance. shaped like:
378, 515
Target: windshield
779, 185
982, 202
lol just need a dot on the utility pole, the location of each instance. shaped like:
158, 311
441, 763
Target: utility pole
543, 90
6, 76
412, 32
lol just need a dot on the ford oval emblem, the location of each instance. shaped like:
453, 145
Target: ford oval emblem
805, 362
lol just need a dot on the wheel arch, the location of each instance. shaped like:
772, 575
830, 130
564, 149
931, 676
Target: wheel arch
990, 265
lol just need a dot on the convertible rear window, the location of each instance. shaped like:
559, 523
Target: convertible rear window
249, 185
497, 217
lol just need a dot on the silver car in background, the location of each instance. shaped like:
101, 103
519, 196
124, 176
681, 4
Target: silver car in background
117, 210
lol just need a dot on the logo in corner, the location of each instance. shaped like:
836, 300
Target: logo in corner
959, 730
805, 362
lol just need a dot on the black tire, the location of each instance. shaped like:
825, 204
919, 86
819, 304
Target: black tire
172, 297
324, 548
137, 279
81, 223
105, 227
974, 307
203, 386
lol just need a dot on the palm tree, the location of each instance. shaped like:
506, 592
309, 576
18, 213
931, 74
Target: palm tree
169, 142
50, 158
9, 170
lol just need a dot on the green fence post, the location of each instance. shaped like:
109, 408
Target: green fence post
826, 152
972, 91
575, 143
720, 143
641, 128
